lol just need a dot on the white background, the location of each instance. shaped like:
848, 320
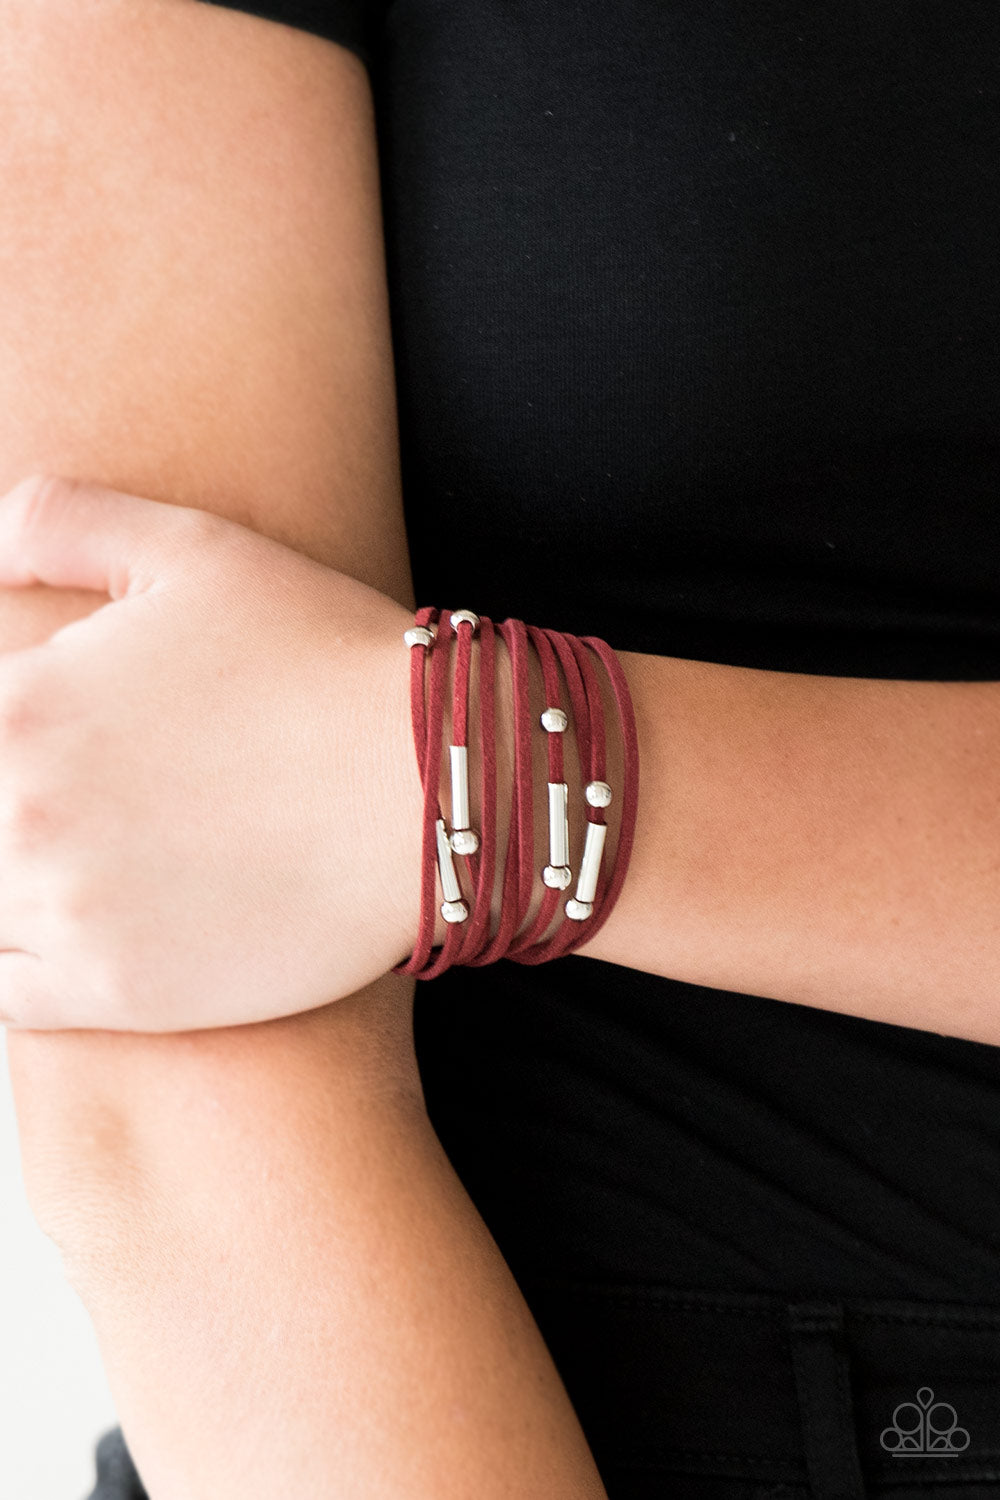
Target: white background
54, 1399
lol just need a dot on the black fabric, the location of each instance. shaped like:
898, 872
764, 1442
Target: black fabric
696, 319
688, 1395
828, 1397
117, 1477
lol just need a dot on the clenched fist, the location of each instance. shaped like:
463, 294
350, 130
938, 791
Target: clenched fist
210, 807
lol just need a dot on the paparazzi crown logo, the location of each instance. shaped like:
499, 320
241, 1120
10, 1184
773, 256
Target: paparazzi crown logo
924, 1426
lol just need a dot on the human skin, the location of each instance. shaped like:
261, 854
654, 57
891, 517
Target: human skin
165, 1166
278, 670
289, 1286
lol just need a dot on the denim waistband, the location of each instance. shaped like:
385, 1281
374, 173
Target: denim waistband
832, 1394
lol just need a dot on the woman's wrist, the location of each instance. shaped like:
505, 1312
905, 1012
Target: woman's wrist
397, 791
402, 792
574, 772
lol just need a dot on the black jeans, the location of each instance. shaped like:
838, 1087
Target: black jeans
690, 1395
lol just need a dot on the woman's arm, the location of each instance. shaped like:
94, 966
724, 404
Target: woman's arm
291, 1291
817, 839
824, 840
177, 246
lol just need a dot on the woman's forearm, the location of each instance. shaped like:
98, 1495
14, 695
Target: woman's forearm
291, 1290
829, 841
193, 307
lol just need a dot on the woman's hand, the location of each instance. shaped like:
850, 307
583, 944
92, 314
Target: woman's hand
210, 808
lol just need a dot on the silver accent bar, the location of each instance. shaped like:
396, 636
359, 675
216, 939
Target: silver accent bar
586, 885
459, 786
558, 823
449, 880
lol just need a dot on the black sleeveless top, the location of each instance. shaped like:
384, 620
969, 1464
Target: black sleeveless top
696, 319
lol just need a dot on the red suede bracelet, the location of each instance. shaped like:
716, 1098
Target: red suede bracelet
467, 940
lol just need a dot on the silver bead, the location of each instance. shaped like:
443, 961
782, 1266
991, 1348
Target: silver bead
418, 635
598, 793
578, 911
553, 720
466, 615
455, 911
464, 841
557, 877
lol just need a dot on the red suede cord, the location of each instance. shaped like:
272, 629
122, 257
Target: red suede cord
425, 935
483, 863
460, 685
517, 879
430, 775
630, 791
554, 748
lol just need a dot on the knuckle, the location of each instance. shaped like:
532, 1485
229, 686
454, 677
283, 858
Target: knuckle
194, 541
35, 698
197, 531
22, 706
79, 908
28, 821
36, 496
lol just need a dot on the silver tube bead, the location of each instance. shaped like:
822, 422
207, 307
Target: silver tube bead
459, 786
580, 907
462, 838
454, 908
586, 885
557, 872
558, 823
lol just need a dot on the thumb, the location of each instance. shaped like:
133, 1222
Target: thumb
72, 534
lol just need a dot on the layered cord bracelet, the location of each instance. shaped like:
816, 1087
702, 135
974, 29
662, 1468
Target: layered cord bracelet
459, 858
